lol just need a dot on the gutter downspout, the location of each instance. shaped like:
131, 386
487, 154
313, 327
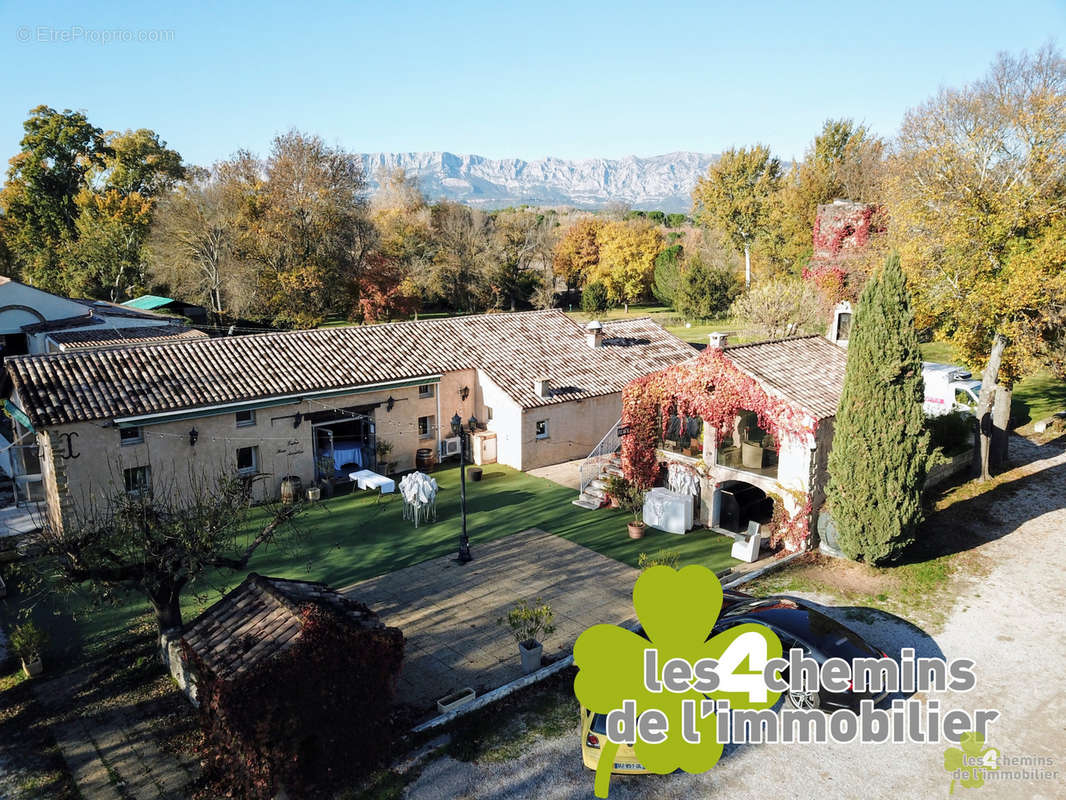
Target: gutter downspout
437, 454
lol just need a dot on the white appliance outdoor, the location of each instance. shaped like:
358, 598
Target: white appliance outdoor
484, 447
450, 447
668, 511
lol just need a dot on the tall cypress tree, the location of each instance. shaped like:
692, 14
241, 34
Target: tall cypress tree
878, 461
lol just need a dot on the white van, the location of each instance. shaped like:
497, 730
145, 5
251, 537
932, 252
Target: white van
949, 388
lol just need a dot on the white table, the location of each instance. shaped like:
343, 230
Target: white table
368, 479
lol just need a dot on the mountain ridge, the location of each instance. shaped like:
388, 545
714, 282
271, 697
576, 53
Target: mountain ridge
662, 182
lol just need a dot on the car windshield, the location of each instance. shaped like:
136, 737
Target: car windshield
599, 724
747, 606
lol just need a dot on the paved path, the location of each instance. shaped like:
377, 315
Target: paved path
449, 612
1008, 619
113, 755
566, 474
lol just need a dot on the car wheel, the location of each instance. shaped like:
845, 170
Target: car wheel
804, 699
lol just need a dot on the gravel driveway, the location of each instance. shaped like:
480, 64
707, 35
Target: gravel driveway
1009, 620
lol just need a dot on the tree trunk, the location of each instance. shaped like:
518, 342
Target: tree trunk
985, 402
167, 606
997, 454
747, 266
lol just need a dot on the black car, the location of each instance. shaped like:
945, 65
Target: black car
820, 637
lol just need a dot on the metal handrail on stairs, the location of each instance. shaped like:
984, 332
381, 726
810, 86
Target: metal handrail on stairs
592, 466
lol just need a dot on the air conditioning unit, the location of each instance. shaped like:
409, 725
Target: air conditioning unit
450, 447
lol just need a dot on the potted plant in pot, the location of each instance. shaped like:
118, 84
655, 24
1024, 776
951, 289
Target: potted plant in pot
527, 623
383, 448
633, 502
28, 642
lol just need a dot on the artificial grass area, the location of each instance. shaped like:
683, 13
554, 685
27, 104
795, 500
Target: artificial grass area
361, 535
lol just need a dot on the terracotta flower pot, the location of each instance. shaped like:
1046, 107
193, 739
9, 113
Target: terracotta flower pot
636, 530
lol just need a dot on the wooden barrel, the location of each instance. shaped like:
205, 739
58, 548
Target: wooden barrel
291, 488
424, 459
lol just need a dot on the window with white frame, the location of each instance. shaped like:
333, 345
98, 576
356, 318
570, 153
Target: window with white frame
425, 390
245, 419
425, 427
131, 435
488, 413
138, 480
247, 460
542, 429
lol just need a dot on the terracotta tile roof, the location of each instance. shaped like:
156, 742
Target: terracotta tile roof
261, 618
513, 350
807, 371
122, 337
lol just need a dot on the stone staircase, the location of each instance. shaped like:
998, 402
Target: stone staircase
595, 494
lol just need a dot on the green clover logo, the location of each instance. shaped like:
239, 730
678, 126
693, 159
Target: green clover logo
678, 610
972, 759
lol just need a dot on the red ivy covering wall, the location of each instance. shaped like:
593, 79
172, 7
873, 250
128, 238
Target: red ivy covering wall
712, 388
315, 714
843, 227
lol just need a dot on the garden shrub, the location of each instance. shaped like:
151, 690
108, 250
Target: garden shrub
953, 432
667, 274
662, 557
594, 298
705, 292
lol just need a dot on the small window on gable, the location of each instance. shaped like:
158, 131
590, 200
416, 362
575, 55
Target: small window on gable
843, 326
245, 419
542, 429
488, 413
131, 435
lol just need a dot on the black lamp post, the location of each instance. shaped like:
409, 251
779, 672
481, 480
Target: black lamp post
457, 430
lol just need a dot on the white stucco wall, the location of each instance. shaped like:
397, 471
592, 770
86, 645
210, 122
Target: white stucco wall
506, 421
574, 428
47, 307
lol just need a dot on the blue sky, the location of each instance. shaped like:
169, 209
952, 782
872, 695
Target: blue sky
526, 80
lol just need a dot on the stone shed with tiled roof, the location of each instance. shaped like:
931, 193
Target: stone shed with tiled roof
752, 425
543, 389
294, 683
262, 618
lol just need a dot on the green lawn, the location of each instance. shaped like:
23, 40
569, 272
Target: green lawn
940, 352
354, 537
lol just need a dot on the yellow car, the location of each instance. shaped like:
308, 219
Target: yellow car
594, 736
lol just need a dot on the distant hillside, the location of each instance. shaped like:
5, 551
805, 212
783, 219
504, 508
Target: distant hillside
659, 182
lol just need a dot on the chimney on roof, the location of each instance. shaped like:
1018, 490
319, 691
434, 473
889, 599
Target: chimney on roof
718, 341
594, 334
542, 387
